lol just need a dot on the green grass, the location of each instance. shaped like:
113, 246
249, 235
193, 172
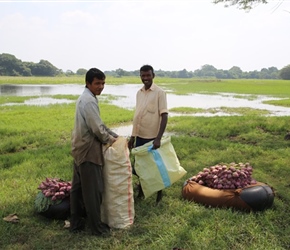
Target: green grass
41, 80
284, 102
35, 143
62, 80
278, 88
226, 110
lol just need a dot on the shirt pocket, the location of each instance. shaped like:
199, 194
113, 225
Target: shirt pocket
151, 108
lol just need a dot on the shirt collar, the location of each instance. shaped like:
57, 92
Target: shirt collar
89, 92
153, 86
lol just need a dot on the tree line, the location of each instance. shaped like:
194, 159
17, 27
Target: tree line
12, 66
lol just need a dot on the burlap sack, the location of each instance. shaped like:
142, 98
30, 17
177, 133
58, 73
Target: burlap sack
118, 200
253, 197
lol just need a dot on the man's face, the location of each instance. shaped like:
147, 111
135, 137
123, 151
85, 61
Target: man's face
147, 78
97, 86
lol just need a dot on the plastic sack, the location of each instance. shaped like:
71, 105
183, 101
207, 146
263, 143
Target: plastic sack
58, 211
118, 200
157, 169
256, 197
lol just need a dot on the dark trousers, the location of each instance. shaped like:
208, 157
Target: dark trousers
86, 197
141, 141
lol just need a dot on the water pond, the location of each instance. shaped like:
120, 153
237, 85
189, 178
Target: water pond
124, 96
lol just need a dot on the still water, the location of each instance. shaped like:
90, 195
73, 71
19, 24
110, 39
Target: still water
124, 96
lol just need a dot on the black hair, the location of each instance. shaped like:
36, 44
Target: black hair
147, 68
94, 73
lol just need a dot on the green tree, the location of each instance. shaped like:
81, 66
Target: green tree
253, 74
264, 74
285, 73
137, 73
235, 72
11, 66
43, 68
274, 73
159, 73
206, 71
69, 73
81, 71
119, 72
221, 74
242, 4
182, 74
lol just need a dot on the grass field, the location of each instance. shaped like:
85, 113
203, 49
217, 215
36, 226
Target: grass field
179, 85
35, 143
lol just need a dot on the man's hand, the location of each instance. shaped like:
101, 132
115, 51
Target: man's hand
131, 142
112, 139
156, 143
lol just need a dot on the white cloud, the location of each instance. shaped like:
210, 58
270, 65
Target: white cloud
171, 35
78, 17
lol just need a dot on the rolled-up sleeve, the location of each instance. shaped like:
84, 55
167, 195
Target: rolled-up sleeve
162, 103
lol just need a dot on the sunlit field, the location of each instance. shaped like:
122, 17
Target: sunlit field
35, 144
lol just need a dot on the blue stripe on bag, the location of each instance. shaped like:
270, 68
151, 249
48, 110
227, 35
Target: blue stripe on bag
161, 166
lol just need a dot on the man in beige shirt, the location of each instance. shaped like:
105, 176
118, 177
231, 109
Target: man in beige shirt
151, 115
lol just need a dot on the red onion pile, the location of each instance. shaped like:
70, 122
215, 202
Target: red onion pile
55, 188
222, 176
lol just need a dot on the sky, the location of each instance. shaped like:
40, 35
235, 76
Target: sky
169, 35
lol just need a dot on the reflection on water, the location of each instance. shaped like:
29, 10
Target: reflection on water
40, 90
65, 89
40, 101
123, 130
125, 96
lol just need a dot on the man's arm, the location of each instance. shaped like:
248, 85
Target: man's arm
95, 123
112, 133
163, 123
